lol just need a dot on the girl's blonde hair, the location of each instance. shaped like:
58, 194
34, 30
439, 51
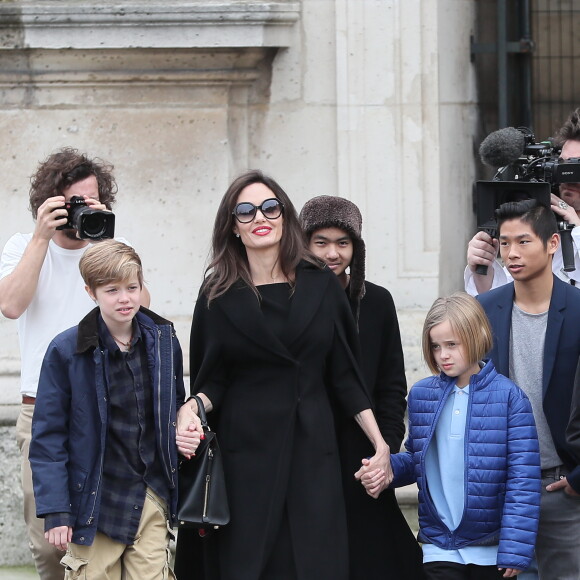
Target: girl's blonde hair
468, 320
110, 261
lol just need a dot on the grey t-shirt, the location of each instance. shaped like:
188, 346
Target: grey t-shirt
527, 338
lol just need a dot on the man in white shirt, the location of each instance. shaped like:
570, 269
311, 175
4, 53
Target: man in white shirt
41, 286
482, 249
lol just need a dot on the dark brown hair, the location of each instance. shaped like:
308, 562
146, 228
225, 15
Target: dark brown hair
570, 130
64, 168
228, 258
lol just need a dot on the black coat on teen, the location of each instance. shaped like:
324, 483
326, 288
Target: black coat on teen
276, 427
381, 543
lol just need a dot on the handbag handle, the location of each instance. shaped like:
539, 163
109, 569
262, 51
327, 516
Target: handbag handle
201, 411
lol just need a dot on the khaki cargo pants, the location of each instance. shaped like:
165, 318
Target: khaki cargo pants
146, 559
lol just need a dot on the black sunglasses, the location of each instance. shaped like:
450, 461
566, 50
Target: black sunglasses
271, 209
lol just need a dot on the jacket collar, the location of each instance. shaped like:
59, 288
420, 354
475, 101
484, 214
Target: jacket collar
88, 329
476, 382
242, 308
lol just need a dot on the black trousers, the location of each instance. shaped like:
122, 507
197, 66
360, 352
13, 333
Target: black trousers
452, 571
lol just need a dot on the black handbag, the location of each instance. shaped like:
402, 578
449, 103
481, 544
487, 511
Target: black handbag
202, 498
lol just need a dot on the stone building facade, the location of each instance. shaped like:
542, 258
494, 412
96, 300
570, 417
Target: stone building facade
372, 100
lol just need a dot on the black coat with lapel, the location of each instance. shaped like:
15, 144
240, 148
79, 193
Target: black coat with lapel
561, 355
275, 422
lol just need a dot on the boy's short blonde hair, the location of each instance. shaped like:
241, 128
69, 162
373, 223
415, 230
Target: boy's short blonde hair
110, 261
468, 320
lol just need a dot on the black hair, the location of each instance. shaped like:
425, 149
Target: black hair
530, 211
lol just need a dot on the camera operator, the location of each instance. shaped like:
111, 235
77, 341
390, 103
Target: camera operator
482, 248
41, 286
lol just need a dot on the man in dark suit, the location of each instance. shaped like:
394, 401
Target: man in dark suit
535, 320
379, 537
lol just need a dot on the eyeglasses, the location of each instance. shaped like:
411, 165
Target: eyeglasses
271, 209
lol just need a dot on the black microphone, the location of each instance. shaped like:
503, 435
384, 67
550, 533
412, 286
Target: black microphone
502, 147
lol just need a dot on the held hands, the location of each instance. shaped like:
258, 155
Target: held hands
564, 210
376, 473
59, 537
189, 429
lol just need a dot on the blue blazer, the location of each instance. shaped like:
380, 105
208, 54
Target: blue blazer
561, 355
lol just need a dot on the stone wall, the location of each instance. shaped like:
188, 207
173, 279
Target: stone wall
373, 100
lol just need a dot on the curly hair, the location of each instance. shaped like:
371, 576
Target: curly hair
66, 167
570, 130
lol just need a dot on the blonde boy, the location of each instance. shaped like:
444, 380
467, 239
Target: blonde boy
103, 451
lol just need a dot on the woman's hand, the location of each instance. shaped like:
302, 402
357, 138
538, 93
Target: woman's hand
189, 429
376, 473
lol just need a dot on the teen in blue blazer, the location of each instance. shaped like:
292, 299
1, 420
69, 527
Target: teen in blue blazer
536, 326
561, 354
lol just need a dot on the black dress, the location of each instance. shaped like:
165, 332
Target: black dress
275, 305
269, 383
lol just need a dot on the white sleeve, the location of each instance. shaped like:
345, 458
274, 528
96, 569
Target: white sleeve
12, 253
500, 277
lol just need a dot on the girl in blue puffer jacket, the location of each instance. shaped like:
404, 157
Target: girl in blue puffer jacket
473, 451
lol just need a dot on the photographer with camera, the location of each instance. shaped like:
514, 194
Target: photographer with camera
41, 286
483, 249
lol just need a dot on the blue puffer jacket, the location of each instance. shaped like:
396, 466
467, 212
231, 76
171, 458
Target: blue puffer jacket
502, 462
69, 426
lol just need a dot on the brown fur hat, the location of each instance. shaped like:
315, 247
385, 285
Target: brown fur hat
329, 211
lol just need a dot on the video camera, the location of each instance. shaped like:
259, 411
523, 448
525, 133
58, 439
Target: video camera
527, 170
91, 224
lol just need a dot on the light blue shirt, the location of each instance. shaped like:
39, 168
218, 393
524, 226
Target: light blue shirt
445, 475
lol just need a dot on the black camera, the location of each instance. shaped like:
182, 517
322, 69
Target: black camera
526, 170
91, 224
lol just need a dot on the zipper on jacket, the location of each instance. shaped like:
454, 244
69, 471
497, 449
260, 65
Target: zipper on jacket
96, 490
168, 467
428, 499
465, 454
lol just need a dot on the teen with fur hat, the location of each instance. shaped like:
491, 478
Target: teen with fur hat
379, 538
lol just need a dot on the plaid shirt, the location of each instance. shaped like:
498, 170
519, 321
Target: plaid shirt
131, 459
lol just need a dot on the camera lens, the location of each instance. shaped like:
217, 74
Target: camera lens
94, 225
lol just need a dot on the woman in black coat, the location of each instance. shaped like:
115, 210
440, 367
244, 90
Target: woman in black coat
272, 339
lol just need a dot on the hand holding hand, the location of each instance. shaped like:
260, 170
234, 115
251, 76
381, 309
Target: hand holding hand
376, 473
189, 430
